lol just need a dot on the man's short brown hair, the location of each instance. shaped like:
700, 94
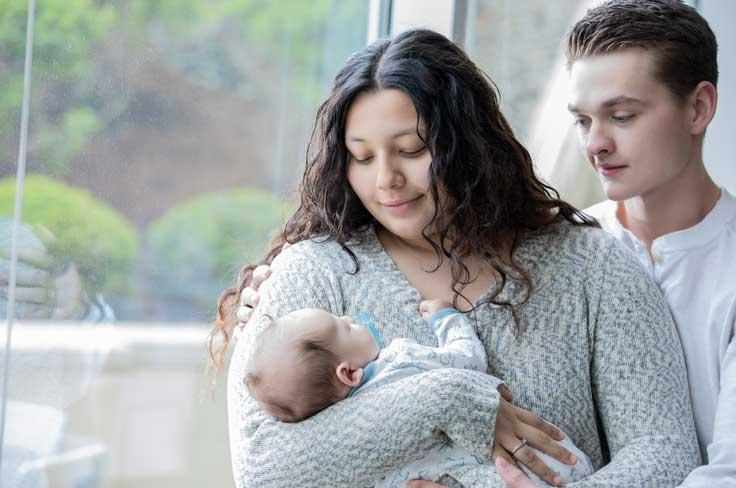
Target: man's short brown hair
683, 45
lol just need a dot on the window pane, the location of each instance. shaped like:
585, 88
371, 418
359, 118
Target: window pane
520, 46
166, 140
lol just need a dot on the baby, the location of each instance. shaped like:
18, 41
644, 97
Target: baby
310, 359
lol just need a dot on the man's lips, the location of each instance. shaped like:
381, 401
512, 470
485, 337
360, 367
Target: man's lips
610, 169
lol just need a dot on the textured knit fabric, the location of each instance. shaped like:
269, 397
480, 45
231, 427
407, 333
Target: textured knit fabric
458, 347
599, 357
696, 270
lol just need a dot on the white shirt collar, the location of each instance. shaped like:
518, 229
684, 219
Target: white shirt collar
698, 235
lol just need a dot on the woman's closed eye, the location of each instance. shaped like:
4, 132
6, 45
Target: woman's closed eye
413, 153
362, 160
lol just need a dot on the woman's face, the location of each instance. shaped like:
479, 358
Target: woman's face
388, 164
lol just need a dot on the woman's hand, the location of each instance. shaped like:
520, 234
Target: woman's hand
514, 424
42, 291
249, 297
512, 475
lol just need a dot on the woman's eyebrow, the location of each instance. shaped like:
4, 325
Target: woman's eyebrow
403, 132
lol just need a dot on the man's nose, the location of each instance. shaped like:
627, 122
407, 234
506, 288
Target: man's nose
599, 141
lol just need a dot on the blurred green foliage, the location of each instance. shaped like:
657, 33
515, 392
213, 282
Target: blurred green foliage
311, 39
65, 33
217, 42
198, 246
85, 231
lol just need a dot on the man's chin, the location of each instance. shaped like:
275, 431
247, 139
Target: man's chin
617, 192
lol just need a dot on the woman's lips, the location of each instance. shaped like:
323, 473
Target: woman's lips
400, 207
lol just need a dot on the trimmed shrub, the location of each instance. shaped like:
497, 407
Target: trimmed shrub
86, 231
196, 249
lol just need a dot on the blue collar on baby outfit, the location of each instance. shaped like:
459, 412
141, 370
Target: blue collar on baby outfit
366, 320
368, 372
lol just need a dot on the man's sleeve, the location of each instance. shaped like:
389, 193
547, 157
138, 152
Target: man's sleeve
721, 468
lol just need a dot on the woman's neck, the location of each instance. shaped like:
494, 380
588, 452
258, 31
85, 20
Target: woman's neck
431, 277
418, 247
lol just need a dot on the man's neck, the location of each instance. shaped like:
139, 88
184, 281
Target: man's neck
679, 205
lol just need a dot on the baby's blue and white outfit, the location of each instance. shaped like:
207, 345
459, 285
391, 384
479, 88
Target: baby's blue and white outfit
459, 347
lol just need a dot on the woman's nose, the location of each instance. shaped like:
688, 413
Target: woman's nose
389, 174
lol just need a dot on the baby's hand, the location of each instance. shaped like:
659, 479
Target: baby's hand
428, 307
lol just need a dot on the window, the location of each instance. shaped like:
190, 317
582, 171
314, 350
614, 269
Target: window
165, 139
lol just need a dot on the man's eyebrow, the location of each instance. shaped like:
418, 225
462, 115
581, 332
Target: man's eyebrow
613, 102
400, 133
621, 101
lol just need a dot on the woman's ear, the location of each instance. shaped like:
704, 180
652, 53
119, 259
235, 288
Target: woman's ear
349, 375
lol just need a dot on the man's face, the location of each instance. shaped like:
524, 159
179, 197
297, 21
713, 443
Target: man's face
631, 128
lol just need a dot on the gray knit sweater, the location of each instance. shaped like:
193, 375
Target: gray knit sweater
600, 358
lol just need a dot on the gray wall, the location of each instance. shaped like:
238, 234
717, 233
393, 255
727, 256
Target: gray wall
720, 141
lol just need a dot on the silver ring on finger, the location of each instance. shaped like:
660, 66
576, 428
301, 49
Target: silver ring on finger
521, 444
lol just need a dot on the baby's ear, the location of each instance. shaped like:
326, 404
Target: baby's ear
349, 375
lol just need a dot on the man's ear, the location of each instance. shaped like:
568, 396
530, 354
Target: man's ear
703, 100
349, 375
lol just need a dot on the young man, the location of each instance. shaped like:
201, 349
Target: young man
643, 76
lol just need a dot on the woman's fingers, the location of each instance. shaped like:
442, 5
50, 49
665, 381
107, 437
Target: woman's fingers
30, 294
505, 393
423, 484
243, 313
260, 274
508, 437
25, 275
500, 452
249, 297
543, 435
529, 458
533, 420
537, 431
512, 475
543, 442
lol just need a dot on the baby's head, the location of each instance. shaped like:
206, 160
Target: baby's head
306, 361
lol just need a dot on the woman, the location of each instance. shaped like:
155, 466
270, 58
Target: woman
415, 187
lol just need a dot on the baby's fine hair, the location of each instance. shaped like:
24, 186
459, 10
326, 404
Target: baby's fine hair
315, 376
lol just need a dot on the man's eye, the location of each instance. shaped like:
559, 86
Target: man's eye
581, 122
622, 118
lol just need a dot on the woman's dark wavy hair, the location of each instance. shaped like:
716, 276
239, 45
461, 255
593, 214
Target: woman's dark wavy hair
493, 198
